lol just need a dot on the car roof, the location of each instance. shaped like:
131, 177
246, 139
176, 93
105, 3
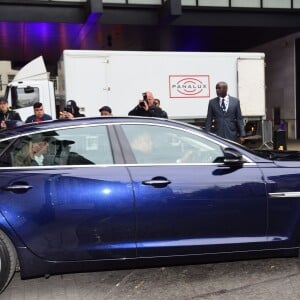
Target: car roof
56, 124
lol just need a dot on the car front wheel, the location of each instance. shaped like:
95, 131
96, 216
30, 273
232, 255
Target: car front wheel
8, 261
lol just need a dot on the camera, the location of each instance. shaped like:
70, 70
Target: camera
145, 100
142, 103
144, 96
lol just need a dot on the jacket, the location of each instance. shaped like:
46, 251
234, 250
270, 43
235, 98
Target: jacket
10, 115
153, 111
228, 124
32, 118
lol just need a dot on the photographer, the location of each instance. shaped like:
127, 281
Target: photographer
146, 107
71, 111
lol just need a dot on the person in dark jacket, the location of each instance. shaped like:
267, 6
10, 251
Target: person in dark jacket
225, 110
39, 114
146, 107
163, 112
71, 111
8, 117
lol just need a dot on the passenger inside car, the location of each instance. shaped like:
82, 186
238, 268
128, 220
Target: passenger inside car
142, 147
32, 152
40, 150
149, 148
162, 145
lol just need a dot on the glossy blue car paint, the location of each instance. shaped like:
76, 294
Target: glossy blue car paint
87, 217
203, 210
284, 212
74, 213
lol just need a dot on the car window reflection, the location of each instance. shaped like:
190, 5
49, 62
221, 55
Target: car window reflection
75, 146
158, 144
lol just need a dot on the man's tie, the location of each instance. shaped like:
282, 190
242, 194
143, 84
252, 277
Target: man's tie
223, 105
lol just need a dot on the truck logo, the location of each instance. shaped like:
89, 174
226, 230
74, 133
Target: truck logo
189, 86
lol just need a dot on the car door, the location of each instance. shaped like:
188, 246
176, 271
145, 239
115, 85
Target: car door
79, 206
190, 203
283, 187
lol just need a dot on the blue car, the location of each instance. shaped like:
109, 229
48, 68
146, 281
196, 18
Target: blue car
122, 192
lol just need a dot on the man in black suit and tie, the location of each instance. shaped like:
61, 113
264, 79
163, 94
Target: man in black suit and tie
226, 112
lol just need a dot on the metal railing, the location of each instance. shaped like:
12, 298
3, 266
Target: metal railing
267, 134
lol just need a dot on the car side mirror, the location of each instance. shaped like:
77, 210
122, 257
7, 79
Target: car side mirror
232, 157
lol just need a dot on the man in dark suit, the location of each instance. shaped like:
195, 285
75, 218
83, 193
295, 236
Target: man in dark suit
225, 111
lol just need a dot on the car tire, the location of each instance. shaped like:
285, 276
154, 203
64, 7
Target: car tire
8, 261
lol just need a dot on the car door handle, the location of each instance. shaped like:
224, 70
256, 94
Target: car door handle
17, 188
153, 182
157, 182
285, 195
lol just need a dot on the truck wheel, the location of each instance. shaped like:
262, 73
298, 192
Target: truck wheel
8, 261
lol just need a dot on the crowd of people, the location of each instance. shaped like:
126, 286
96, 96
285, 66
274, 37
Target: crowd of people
223, 114
146, 107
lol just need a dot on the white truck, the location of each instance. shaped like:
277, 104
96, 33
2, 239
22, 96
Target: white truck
183, 81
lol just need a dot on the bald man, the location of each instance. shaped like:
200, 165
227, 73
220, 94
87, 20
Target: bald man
226, 112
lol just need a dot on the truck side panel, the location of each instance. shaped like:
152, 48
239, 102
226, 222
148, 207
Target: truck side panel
85, 79
184, 82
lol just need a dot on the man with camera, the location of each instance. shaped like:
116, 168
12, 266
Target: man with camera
146, 107
71, 111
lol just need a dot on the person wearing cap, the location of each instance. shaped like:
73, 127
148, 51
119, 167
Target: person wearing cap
105, 111
32, 153
39, 114
71, 111
8, 117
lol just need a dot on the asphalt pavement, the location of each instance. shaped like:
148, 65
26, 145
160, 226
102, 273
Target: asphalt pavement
264, 279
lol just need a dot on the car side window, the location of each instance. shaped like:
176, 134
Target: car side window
159, 144
91, 143
73, 146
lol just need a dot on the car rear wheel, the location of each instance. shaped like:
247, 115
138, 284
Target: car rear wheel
8, 261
